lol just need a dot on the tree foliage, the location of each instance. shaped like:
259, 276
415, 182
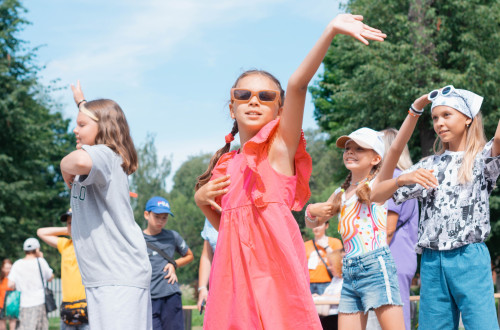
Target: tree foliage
429, 44
150, 179
33, 139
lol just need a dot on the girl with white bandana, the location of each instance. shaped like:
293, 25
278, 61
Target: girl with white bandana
453, 187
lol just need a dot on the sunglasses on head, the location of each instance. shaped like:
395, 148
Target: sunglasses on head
447, 90
264, 96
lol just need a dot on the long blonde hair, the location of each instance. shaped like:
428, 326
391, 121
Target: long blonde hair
404, 161
474, 143
113, 131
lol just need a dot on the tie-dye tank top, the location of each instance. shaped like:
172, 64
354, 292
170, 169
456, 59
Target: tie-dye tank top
362, 227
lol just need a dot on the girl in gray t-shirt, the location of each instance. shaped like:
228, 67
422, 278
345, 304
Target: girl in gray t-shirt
109, 245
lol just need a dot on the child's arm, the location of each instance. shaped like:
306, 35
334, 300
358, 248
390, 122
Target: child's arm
77, 162
205, 199
384, 185
204, 273
50, 235
78, 93
293, 111
495, 149
321, 212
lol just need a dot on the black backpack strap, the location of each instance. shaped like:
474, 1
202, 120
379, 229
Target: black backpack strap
324, 263
40, 269
162, 253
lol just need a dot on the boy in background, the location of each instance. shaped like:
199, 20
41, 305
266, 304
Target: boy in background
162, 244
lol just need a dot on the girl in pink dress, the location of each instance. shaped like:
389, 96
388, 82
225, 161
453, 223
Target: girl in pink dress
259, 278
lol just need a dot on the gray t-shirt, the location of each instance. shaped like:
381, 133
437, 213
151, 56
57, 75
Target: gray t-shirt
169, 241
109, 245
453, 214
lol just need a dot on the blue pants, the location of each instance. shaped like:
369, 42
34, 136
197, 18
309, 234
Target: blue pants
167, 313
318, 288
455, 281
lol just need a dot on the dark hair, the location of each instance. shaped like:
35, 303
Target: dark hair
205, 177
5, 261
113, 131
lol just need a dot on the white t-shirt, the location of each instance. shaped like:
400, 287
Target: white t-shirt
26, 274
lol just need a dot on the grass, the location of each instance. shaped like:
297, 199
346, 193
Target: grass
54, 323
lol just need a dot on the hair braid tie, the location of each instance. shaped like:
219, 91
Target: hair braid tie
229, 138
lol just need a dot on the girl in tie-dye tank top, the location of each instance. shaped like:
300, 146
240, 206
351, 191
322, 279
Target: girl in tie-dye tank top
369, 272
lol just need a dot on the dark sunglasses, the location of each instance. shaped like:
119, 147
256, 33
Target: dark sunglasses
264, 96
447, 90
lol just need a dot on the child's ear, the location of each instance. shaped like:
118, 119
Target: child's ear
231, 112
377, 159
146, 215
280, 111
468, 121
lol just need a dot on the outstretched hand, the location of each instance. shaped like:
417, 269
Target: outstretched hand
352, 25
322, 210
207, 193
422, 176
77, 92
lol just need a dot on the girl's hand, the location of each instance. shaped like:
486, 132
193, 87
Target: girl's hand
206, 195
202, 296
322, 210
353, 26
77, 92
171, 275
421, 102
68, 178
422, 176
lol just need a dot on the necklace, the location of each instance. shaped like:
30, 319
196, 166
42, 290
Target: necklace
357, 183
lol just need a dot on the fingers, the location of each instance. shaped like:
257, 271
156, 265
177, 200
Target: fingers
215, 206
360, 38
357, 17
425, 178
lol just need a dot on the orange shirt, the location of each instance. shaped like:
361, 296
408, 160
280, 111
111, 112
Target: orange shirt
320, 274
4, 286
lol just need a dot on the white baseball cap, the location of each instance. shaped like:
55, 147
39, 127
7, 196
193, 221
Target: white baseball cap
366, 138
31, 244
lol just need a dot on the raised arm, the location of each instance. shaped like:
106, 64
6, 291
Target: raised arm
495, 149
292, 115
384, 185
50, 235
77, 162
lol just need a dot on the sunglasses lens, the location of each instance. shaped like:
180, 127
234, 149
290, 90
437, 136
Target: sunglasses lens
433, 94
267, 95
446, 90
242, 94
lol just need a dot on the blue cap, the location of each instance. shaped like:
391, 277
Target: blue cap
158, 205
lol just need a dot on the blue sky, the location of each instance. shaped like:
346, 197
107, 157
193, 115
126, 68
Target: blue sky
170, 64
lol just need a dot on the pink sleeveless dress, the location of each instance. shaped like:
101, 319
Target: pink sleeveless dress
259, 277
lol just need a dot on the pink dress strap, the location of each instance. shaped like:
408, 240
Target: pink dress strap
256, 157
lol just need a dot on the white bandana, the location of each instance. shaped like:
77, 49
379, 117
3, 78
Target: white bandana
462, 100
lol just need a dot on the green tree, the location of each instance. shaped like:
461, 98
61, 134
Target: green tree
189, 219
150, 178
33, 139
429, 44
327, 174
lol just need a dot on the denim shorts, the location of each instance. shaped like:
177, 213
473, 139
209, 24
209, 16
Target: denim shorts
370, 281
